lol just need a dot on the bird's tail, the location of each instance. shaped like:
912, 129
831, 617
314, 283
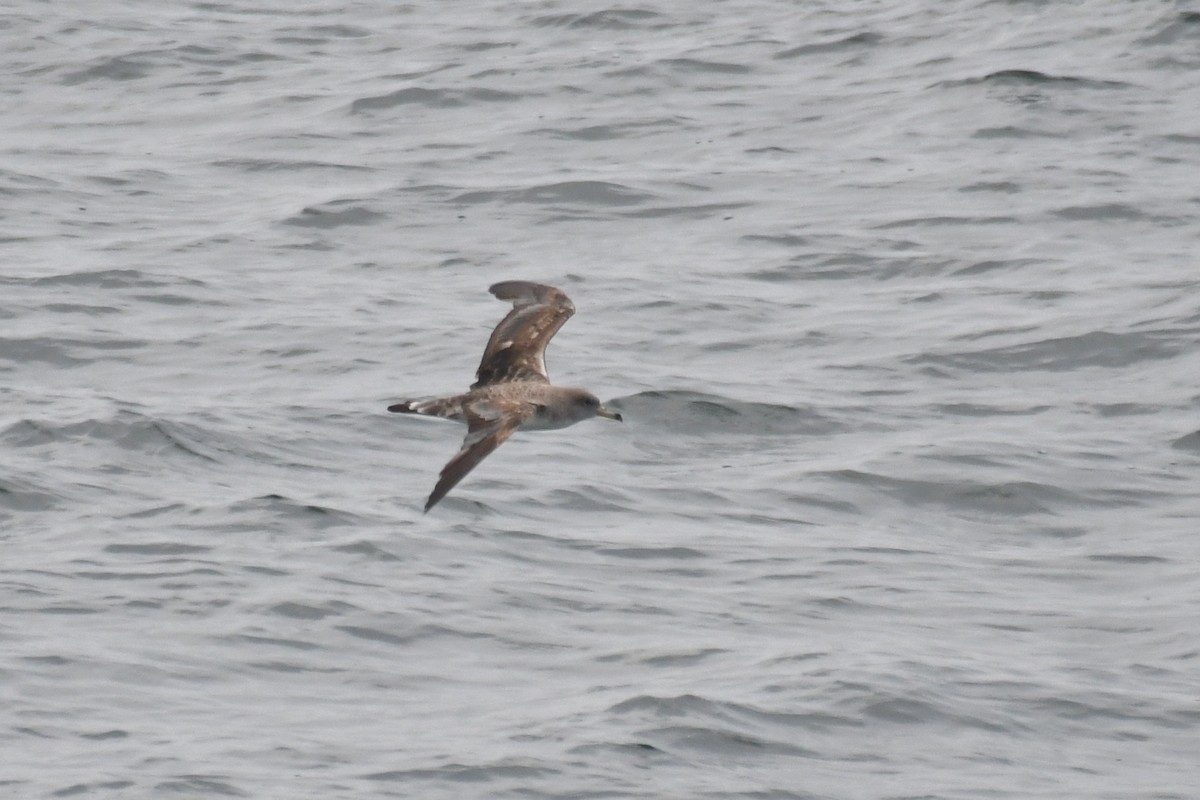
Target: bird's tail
445, 407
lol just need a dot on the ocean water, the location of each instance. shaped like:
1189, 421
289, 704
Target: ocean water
900, 302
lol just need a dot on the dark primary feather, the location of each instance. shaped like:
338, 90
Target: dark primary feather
484, 434
516, 350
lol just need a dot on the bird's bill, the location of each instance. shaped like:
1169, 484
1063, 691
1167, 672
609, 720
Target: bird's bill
604, 412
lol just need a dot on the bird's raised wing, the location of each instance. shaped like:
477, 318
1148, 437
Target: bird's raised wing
489, 424
517, 349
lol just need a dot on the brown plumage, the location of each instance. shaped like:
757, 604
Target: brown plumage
512, 389
516, 350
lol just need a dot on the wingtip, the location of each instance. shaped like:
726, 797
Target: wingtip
505, 290
529, 292
436, 496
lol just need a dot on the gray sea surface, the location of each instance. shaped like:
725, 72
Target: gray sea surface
900, 302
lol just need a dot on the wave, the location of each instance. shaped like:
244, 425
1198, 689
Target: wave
709, 414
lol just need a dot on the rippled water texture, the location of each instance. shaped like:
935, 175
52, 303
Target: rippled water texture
900, 303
